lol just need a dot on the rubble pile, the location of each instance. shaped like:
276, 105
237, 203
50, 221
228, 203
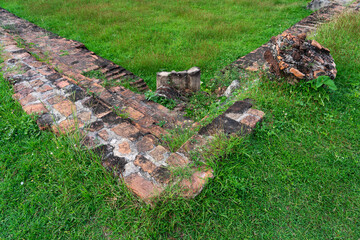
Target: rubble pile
295, 58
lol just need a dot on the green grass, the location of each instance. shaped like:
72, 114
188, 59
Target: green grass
150, 36
297, 177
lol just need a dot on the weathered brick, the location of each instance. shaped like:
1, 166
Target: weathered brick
28, 99
192, 187
36, 83
157, 131
126, 130
64, 127
124, 148
250, 121
84, 116
45, 71
136, 115
161, 175
256, 112
176, 160
158, 153
96, 126
145, 164
146, 143
44, 88
146, 122
62, 84
65, 107
56, 99
142, 187
35, 108
104, 135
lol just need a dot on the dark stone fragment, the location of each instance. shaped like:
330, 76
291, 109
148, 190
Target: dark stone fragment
274, 67
239, 107
296, 56
88, 141
97, 106
20, 51
161, 174
95, 126
112, 119
75, 93
44, 121
224, 125
104, 150
101, 62
53, 77
112, 162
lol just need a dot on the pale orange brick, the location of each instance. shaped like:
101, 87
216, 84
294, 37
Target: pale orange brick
65, 107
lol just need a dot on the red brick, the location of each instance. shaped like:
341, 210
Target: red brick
145, 164
46, 71
65, 107
84, 116
250, 121
104, 135
158, 153
142, 187
136, 115
146, 144
56, 99
36, 83
62, 84
192, 187
28, 99
146, 122
127, 93
126, 130
256, 112
44, 88
20, 86
176, 160
64, 127
157, 131
297, 73
124, 148
35, 108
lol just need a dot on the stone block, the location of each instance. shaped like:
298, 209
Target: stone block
162, 79
194, 79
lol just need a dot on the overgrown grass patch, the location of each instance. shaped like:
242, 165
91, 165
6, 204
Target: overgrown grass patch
150, 36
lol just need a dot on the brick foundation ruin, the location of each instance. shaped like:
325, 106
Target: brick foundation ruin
118, 124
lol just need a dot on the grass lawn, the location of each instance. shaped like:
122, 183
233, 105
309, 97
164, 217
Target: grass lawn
150, 36
297, 177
